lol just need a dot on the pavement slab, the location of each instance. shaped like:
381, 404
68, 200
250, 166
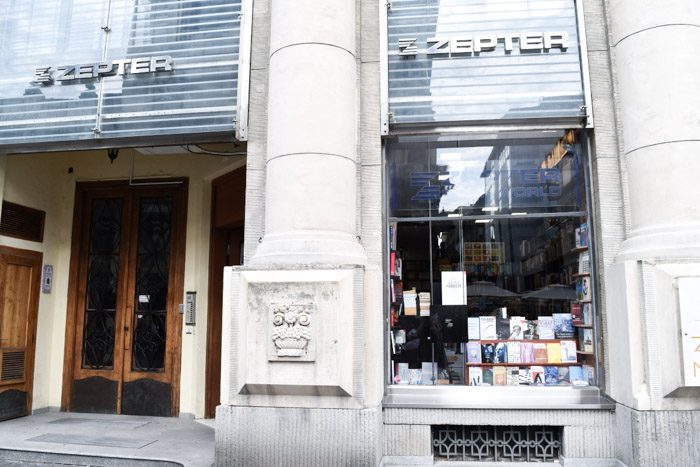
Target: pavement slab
140, 440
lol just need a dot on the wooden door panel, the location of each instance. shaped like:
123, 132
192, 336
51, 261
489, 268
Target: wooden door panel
103, 263
16, 289
226, 241
20, 278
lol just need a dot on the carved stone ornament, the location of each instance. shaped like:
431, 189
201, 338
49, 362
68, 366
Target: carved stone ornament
291, 329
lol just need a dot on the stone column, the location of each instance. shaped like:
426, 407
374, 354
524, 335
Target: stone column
656, 60
311, 191
656, 64
296, 387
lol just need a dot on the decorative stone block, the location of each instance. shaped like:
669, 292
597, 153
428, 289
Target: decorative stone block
294, 332
291, 332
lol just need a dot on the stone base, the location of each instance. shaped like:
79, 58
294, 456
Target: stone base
657, 438
272, 436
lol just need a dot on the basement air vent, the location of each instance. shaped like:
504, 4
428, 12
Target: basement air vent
22, 222
497, 443
12, 366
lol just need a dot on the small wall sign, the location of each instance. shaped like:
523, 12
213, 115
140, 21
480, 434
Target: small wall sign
46, 278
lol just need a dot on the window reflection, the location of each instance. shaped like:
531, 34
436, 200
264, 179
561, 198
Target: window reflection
488, 269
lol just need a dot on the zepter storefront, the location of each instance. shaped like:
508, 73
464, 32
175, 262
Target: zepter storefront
117, 118
493, 345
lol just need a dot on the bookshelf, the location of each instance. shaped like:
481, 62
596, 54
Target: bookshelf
582, 307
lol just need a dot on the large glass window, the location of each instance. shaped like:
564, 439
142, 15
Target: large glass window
488, 261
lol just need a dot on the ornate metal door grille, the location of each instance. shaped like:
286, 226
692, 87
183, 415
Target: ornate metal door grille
497, 443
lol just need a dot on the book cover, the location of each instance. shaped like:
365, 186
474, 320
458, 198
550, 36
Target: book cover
563, 326
400, 336
518, 325
398, 269
545, 327
502, 328
403, 374
587, 314
540, 352
475, 375
455, 363
588, 374
577, 237
513, 352
410, 305
551, 375
499, 376
577, 313
531, 330
553, 352
415, 376
512, 376
500, 353
473, 352
584, 263
583, 289
563, 375
527, 353
568, 352
428, 372
524, 375
537, 375
583, 232
424, 303
454, 287
576, 375
586, 339
487, 377
473, 329
487, 353
398, 285
487, 327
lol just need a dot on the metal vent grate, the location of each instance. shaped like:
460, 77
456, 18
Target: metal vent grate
12, 366
22, 222
497, 443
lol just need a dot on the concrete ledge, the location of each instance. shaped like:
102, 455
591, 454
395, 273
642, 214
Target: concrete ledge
574, 462
76, 459
406, 460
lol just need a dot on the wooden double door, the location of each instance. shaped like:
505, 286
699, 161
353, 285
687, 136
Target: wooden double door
124, 331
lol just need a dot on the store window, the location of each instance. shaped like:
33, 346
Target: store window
489, 262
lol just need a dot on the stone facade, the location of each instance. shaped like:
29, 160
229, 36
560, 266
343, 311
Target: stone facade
294, 409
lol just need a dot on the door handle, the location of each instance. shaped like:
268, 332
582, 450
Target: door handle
127, 334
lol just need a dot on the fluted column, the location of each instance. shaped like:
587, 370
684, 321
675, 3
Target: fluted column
311, 173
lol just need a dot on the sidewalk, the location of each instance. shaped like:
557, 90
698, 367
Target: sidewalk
105, 440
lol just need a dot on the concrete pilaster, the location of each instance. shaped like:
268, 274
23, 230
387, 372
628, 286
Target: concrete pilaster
655, 73
312, 397
311, 167
656, 70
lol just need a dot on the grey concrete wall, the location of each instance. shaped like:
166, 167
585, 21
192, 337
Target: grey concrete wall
658, 438
272, 437
588, 434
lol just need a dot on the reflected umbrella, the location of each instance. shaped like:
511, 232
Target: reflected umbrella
552, 292
488, 289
